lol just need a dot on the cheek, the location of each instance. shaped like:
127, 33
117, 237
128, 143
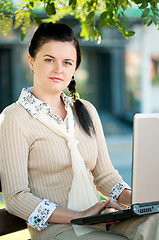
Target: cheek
69, 75
41, 69
71, 72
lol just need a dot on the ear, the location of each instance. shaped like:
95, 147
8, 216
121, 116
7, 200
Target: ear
31, 62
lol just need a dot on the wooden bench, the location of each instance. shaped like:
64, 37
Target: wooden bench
10, 223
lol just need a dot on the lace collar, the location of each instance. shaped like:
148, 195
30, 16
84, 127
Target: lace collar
33, 105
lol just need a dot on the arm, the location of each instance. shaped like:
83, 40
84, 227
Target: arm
64, 216
105, 175
107, 179
14, 152
14, 156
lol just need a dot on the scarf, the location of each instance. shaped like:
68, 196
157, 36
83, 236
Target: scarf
82, 194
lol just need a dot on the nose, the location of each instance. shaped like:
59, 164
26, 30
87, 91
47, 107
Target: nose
58, 67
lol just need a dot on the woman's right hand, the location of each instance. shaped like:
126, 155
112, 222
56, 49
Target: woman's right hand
99, 207
95, 209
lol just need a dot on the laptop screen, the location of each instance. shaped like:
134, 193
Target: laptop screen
145, 167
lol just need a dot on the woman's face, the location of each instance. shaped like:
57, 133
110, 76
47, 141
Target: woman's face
53, 67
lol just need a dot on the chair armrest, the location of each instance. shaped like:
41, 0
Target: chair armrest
10, 223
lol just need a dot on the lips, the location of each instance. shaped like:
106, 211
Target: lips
55, 79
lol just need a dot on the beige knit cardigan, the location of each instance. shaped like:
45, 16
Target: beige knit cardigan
36, 164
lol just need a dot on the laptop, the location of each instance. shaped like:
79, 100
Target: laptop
145, 173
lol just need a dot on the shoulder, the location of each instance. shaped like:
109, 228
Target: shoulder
14, 112
14, 108
87, 104
90, 107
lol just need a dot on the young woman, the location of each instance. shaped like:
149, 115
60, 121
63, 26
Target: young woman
53, 150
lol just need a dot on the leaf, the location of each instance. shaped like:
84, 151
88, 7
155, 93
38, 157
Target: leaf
129, 33
4, 8
50, 9
90, 16
21, 5
143, 5
22, 36
110, 7
31, 4
1, 6
155, 12
90, 3
154, 19
148, 21
73, 3
111, 22
27, 5
138, 1
102, 23
145, 13
103, 16
26, 20
18, 19
37, 20
120, 25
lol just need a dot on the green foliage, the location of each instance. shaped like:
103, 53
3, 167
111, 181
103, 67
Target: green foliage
50, 8
93, 15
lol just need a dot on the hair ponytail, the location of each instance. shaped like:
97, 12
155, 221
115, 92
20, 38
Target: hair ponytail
82, 112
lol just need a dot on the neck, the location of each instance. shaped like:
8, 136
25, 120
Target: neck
54, 101
50, 98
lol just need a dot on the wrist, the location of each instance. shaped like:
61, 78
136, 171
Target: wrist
63, 215
125, 197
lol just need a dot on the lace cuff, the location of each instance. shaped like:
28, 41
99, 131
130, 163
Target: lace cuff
38, 218
117, 189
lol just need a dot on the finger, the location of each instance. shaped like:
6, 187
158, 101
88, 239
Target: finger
100, 206
109, 204
117, 207
105, 202
114, 205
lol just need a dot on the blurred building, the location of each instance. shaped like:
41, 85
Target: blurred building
118, 76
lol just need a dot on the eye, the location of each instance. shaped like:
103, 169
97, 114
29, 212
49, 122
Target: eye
49, 60
67, 63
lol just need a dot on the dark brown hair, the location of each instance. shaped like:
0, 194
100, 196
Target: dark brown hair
58, 32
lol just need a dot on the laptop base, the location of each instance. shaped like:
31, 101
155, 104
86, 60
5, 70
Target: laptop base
136, 210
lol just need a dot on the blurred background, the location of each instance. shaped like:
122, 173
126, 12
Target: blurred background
119, 76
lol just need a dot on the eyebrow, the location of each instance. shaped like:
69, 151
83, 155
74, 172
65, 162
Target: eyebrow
68, 59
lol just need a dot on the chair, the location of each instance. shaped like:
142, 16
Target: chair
10, 223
